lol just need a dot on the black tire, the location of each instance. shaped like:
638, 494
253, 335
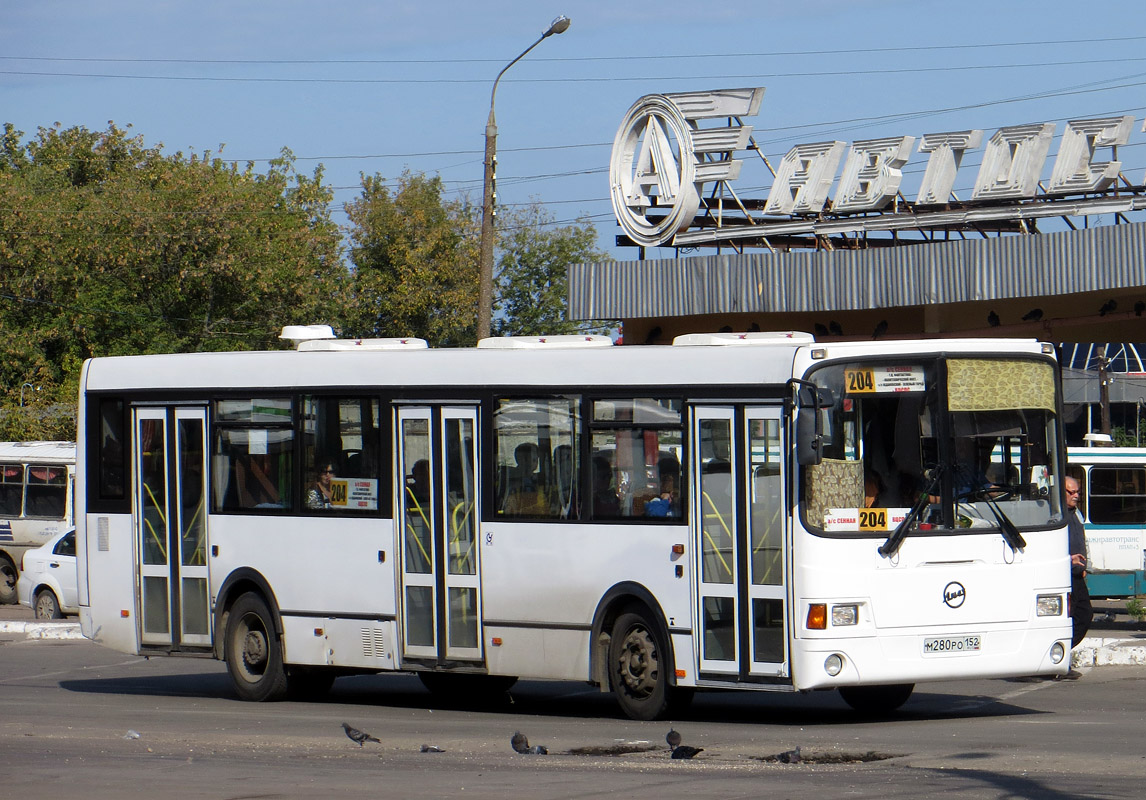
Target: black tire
877, 700
309, 683
638, 667
8, 576
460, 688
46, 606
253, 651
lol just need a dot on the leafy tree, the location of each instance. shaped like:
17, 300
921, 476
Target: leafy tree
415, 257
108, 247
532, 281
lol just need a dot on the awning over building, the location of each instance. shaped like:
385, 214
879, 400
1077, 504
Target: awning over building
956, 286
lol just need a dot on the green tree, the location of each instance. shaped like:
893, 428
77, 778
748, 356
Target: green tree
109, 246
532, 280
415, 257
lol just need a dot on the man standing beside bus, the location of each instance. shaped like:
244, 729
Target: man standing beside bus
1080, 610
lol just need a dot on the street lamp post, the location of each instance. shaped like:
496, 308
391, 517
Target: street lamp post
485, 277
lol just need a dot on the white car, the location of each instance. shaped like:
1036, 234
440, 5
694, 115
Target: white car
47, 582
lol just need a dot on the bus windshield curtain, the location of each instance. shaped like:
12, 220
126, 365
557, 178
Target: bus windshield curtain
979, 384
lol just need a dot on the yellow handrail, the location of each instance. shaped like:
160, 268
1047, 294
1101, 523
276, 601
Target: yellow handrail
162, 518
410, 528
708, 536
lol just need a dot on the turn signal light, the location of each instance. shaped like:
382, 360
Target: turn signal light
817, 617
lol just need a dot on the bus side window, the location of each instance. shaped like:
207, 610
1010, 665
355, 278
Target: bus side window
11, 489
1115, 496
535, 470
47, 491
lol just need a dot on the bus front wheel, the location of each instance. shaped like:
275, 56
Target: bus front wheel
637, 664
877, 700
253, 653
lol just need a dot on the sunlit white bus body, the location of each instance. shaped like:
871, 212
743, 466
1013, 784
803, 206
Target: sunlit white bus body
1112, 503
36, 481
652, 520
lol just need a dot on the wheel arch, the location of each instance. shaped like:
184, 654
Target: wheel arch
238, 583
613, 603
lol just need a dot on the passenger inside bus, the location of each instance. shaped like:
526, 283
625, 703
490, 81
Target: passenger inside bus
605, 503
318, 496
527, 491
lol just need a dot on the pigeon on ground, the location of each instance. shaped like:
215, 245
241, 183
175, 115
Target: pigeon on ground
432, 748
1139, 307
835, 328
1034, 315
820, 329
993, 319
880, 329
686, 751
358, 736
521, 745
1107, 307
790, 756
673, 739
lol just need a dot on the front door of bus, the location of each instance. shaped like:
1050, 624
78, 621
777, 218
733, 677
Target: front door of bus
438, 513
738, 532
171, 525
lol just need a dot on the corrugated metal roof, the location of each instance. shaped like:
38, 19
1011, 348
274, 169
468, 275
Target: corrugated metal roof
1093, 259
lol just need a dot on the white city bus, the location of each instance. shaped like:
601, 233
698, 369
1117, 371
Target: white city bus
1112, 503
35, 501
652, 520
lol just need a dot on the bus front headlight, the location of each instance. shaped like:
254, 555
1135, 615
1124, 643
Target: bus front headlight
847, 614
1048, 605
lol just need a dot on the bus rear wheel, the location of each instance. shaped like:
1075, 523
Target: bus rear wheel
637, 667
877, 700
253, 652
8, 577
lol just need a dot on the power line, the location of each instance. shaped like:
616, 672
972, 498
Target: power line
577, 59
405, 80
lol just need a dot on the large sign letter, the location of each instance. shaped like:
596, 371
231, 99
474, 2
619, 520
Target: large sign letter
1075, 169
804, 178
946, 151
872, 173
1013, 161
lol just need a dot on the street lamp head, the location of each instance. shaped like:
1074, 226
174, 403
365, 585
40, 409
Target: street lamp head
559, 25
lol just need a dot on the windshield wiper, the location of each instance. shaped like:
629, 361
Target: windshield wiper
1006, 527
891, 546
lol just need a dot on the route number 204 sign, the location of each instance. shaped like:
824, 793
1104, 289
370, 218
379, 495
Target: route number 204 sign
880, 380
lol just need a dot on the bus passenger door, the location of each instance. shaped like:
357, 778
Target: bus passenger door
738, 533
438, 513
171, 525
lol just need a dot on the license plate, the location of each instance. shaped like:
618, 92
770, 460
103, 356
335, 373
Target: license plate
948, 645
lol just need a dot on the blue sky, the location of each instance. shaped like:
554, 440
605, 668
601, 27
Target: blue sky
377, 87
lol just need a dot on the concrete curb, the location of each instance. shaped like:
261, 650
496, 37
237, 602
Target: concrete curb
1101, 652
42, 630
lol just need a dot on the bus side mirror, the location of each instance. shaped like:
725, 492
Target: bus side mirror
809, 426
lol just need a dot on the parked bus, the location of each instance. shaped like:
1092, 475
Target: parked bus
35, 501
651, 520
1112, 503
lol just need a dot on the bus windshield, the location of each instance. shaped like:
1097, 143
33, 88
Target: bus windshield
969, 441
